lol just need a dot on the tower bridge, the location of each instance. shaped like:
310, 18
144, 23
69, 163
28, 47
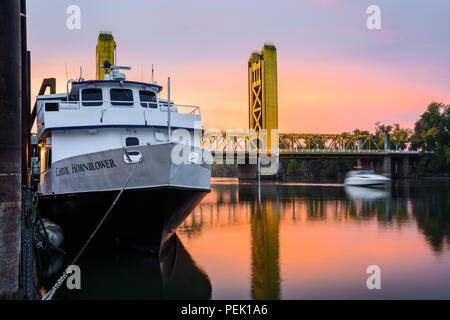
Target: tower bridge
264, 137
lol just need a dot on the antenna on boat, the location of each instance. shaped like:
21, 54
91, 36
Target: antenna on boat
153, 74
65, 67
81, 74
168, 110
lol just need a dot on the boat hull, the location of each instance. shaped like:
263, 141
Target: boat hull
141, 217
159, 193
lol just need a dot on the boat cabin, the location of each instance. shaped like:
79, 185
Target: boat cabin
108, 114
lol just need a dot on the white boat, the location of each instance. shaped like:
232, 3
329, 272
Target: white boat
365, 178
92, 137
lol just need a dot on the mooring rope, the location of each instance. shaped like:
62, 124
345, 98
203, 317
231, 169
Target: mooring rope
66, 272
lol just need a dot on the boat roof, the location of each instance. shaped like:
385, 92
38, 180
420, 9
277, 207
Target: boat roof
158, 87
55, 96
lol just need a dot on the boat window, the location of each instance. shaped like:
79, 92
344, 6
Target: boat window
51, 106
148, 99
121, 97
131, 141
92, 97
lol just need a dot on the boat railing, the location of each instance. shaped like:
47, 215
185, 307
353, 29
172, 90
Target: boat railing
180, 108
177, 108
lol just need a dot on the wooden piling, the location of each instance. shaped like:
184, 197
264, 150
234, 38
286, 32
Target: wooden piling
25, 83
10, 148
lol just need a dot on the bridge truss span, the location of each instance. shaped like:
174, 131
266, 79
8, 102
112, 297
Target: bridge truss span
294, 145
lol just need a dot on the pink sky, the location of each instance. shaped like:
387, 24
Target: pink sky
334, 74
313, 98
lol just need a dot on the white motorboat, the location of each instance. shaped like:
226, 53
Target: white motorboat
365, 178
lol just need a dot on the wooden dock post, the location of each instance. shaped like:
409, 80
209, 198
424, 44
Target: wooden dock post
10, 148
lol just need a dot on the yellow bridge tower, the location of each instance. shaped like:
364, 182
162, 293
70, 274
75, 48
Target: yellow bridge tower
106, 47
263, 91
263, 109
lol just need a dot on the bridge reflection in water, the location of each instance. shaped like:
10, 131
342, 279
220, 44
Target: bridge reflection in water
265, 237
298, 230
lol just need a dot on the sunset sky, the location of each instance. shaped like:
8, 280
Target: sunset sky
334, 74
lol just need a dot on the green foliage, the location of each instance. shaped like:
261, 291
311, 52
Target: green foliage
400, 137
224, 170
431, 133
324, 168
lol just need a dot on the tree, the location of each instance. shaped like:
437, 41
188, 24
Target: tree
292, 168
363, 132
431, 133
400, 137
381, 130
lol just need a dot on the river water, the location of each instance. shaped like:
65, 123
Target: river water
291, 240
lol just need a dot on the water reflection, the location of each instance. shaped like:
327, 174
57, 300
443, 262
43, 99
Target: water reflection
431, 209
301, 241
423, 201
289, 241
265, 230
366, 201
114, 273
366, 194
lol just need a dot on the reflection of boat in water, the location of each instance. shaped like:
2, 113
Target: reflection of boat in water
127, 274
365, 178
364, 193
181, 278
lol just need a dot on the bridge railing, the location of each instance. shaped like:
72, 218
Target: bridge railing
331, 151
328, 142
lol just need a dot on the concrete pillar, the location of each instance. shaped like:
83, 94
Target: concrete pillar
387, 142
405, 166
379, 166
387, 166
358, 163
11, 148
